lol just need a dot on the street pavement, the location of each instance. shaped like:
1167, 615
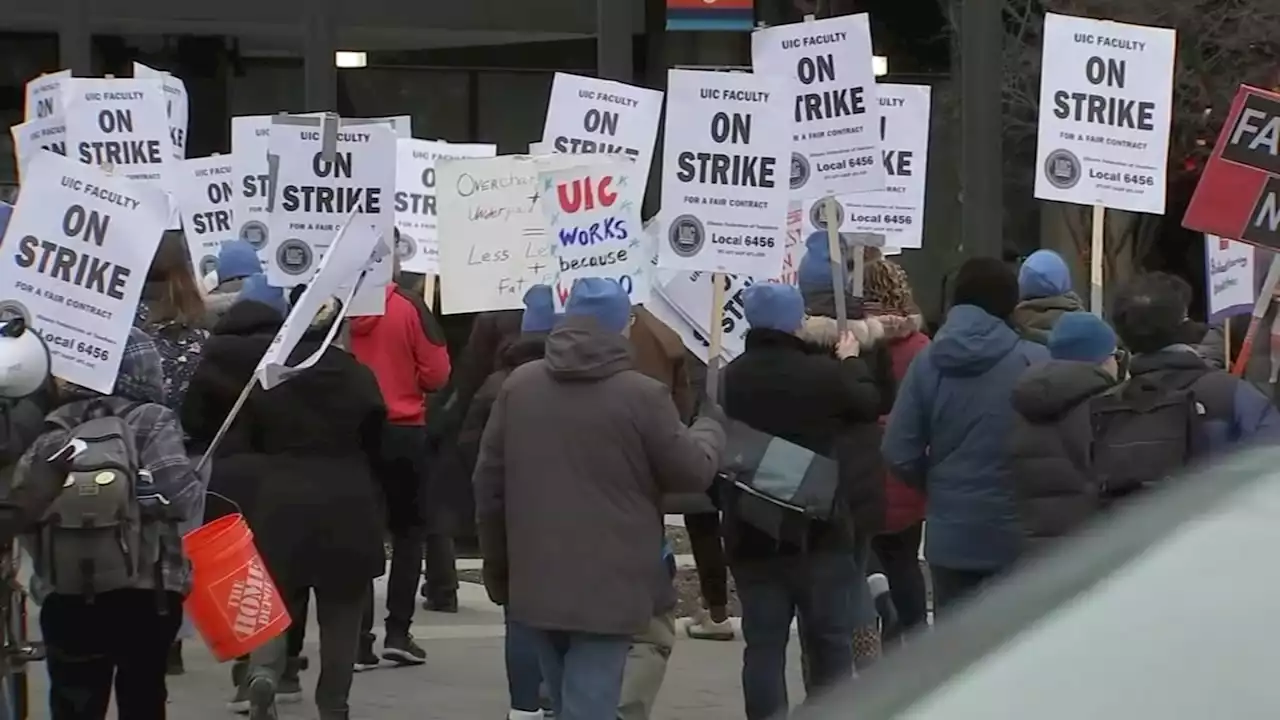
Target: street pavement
463, 678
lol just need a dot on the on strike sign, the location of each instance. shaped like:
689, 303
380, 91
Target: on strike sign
121, 123
1239, 192
206, 198
589, 115
419, 244
723, 201
1106, 102
828, 71
76, 255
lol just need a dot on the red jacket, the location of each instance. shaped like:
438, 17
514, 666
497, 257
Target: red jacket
904, 505
406, 364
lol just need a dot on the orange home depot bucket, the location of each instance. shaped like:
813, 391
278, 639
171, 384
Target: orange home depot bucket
233, 601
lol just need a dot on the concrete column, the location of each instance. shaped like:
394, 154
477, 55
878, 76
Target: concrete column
75, 38
614, 58
320, 73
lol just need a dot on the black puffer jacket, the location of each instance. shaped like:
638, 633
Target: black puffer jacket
526, 348
792, 389
1049, 457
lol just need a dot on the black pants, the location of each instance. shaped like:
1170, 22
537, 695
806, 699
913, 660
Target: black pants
404, 449
402, 584
951, 586
441, 574
899, 556
338, 613
708, 555
123, 637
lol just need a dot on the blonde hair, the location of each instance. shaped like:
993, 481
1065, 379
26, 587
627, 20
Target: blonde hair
885, 283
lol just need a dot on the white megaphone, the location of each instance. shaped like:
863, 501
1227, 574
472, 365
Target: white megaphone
24, 360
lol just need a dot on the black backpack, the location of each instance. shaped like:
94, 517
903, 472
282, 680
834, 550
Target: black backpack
1145, 430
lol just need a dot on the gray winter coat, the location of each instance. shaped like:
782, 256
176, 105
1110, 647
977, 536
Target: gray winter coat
573, 463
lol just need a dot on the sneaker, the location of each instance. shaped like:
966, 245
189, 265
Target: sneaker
290, 688
173, 664
704, 628
240, 702
366, 658
525, 715
262, 698
442, 605
402, 650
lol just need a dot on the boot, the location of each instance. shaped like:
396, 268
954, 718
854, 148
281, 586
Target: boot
262, 698
335, 715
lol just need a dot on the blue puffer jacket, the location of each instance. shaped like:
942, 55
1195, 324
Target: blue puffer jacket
948, 434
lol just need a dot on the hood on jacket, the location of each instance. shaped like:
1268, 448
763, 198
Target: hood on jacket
249, 317
1049, 391
971, 341
579, 349
825, 332
528, 347
139, 379
1036, 317
364, 324
896, 326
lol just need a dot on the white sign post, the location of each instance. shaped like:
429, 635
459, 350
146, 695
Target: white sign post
44, 95
827, 71
119, 124
176, 105
416, 211
1106, 103
591, 115
724, 198
77, 250
317, 188
206, 199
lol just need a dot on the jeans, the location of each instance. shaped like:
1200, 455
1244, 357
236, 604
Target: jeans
708, 555
646, 668
899, 556
951, 586
823, 592
524, 673
338, 612
122, 637
583, 672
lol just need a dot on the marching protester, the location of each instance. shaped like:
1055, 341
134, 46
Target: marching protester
890, 301
308, 454
792, 385
237, 260
581, 435
948, 431
407, 366
172, 312
1050, 456
104, 620
1044, 295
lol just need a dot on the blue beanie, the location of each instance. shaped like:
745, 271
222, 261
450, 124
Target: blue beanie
1082, 336
814, 272
600, 298
773, 306
237, 259
255, 288
1044, 274
539, 310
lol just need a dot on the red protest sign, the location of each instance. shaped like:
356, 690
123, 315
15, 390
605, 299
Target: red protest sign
1239, 193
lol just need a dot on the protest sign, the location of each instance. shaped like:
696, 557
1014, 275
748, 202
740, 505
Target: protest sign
343, 272
1239, 192
120, 124
1229, 278
176, 105
722, 197
206, 199
419, 245
591, 115
78, 247
592, 212
315, 195
1106, 102
826, 70
250, 137
44, 96
493, 237
33, 136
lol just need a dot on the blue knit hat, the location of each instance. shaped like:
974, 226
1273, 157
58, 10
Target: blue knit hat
1043, 274
1082, 336
773, 306
255, 288
600, 298
814, 272
237, 259
539, 310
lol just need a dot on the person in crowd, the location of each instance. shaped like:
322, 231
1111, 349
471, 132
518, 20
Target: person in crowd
788, 386
237, 260
1044, 295
889, 300
172, 312
407, 366
1051, 443
307, 454
582, 435
524, 676
122, 635
948, 431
